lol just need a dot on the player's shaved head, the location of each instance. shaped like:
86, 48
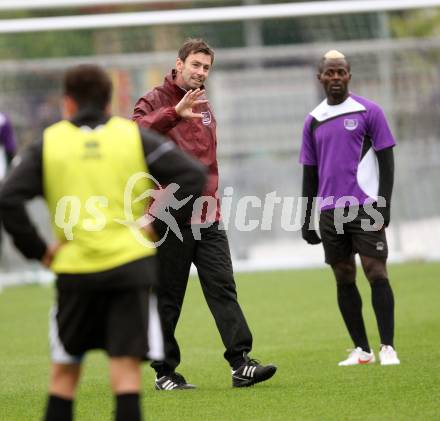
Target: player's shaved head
332, 55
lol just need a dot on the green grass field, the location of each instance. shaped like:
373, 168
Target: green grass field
296, 324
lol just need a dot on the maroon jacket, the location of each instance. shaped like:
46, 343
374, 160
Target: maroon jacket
155, 110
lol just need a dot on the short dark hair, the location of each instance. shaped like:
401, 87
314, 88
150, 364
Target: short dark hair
88, 85
194, 46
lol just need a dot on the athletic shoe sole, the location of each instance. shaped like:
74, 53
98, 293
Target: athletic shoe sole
186, 387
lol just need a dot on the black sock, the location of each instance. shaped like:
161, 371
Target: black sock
383, 304
350, 305
128, 407
160, 374
59, 409
237, 364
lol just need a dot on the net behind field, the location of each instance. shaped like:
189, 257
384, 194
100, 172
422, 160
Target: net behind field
261, 95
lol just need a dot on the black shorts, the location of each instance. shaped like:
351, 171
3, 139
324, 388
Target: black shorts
339, 246
122, 320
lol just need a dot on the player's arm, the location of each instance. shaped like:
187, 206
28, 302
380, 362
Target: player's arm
309, 192
9, 157
168, 164
164, 119
385, 159
23, 183
161, 119
383, 143
8, 137
310, 181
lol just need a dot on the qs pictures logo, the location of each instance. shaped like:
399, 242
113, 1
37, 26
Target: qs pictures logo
163, 201
69, 210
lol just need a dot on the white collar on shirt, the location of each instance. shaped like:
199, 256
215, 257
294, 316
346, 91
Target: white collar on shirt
324, 111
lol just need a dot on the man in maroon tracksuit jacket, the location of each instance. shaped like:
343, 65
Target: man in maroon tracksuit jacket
180, 110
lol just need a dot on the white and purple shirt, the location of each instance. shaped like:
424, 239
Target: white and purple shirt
341, 140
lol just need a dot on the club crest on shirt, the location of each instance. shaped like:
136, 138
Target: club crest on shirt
206, 119
350, 123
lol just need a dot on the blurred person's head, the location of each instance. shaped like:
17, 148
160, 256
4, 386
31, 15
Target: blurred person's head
193, 63
334, 75
86, 86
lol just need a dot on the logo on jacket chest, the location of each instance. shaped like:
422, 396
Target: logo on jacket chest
351, 123
206, 119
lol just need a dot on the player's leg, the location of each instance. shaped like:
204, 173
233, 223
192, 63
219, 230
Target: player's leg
339, 255
175, 258
350, 302
382, 298
62, 387
65, 366
214, 266
129, 338
371, 244
125, 380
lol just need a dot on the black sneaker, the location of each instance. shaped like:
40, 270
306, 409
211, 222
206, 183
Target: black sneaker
252, 372
172, 382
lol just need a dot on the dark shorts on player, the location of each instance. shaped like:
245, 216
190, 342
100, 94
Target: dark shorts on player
101, 311
354, 239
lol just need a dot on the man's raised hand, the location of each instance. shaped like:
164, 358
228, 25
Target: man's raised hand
190, 100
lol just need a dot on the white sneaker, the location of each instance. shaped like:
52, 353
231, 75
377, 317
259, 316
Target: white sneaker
388, 356
358, 356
